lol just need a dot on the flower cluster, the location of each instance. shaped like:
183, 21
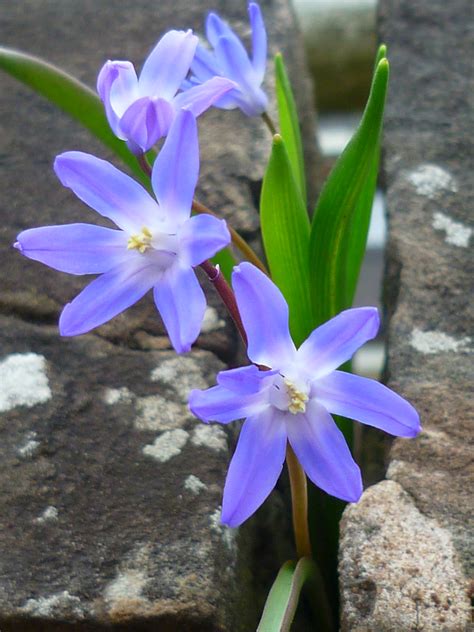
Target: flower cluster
287, 395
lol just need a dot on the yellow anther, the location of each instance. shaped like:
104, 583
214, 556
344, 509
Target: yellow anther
297, 398
141, 242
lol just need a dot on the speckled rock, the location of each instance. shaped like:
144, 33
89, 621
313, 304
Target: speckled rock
110, 489
429, 282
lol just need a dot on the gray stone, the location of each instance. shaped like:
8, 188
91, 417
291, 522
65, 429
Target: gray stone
110, 488
428, 172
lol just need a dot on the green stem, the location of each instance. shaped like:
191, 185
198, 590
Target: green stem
269, 123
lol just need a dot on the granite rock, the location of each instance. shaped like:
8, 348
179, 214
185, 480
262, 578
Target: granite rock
429, 280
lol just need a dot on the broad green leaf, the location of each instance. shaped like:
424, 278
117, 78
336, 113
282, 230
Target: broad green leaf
342, 215
285, 233
71, 96
289, 124
278, 600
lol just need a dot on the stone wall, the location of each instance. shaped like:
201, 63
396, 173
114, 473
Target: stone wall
110, 489
406, 549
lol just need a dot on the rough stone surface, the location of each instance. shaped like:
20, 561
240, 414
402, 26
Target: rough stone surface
428, 172
110, 489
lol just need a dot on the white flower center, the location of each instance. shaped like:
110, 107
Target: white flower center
287, 395
161, 246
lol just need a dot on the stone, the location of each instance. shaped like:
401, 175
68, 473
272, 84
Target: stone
429, 280
110, 488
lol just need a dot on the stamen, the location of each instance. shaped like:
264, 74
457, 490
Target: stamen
297, 398
140, 242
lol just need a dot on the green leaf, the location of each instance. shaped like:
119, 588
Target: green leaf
285, 233
278, 600
71, 96
341, 219
226, 262
289, 124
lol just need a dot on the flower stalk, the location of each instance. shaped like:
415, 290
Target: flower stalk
299, 504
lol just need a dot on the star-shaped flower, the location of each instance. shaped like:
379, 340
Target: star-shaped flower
141, 110
230, 59
294, 399
156, 244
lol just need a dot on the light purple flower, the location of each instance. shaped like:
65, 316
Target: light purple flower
230, 59
294, 400
141, 110
156, 245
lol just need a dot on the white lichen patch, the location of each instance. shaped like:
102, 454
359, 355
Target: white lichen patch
29, 447
212, 437
24, 381
121, 395
167, 445
211, 321
50, 514
431, 180
194, 484
457, 234
428, 342
155, 412
131, 578
60, 605
227, 534
181, 373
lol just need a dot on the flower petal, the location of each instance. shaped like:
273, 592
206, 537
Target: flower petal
202, 236
146, 121
259, 41
222, 405
175, 171
200, 98
233, 59
367, 401
322, 451
168, 64
107, 190
243, 380
215, 28
108, 295
181, 303
264, 314
75, 248
204, 65
335, 341
255, 466
117, 85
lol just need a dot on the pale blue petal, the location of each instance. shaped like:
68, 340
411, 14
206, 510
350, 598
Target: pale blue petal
175, 170
107, 190
200, 98
108, 295
244, 380
75, 248
335, 342
367, 401
117, 85
259, 41
264, 314
322, 451
215, 28
146, 121
201, 237
255, 466
168, 64
204, 65
181, 303
221, 405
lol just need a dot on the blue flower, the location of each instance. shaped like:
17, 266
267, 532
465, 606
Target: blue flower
141, 110
230, 59
156, 244
294, 400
